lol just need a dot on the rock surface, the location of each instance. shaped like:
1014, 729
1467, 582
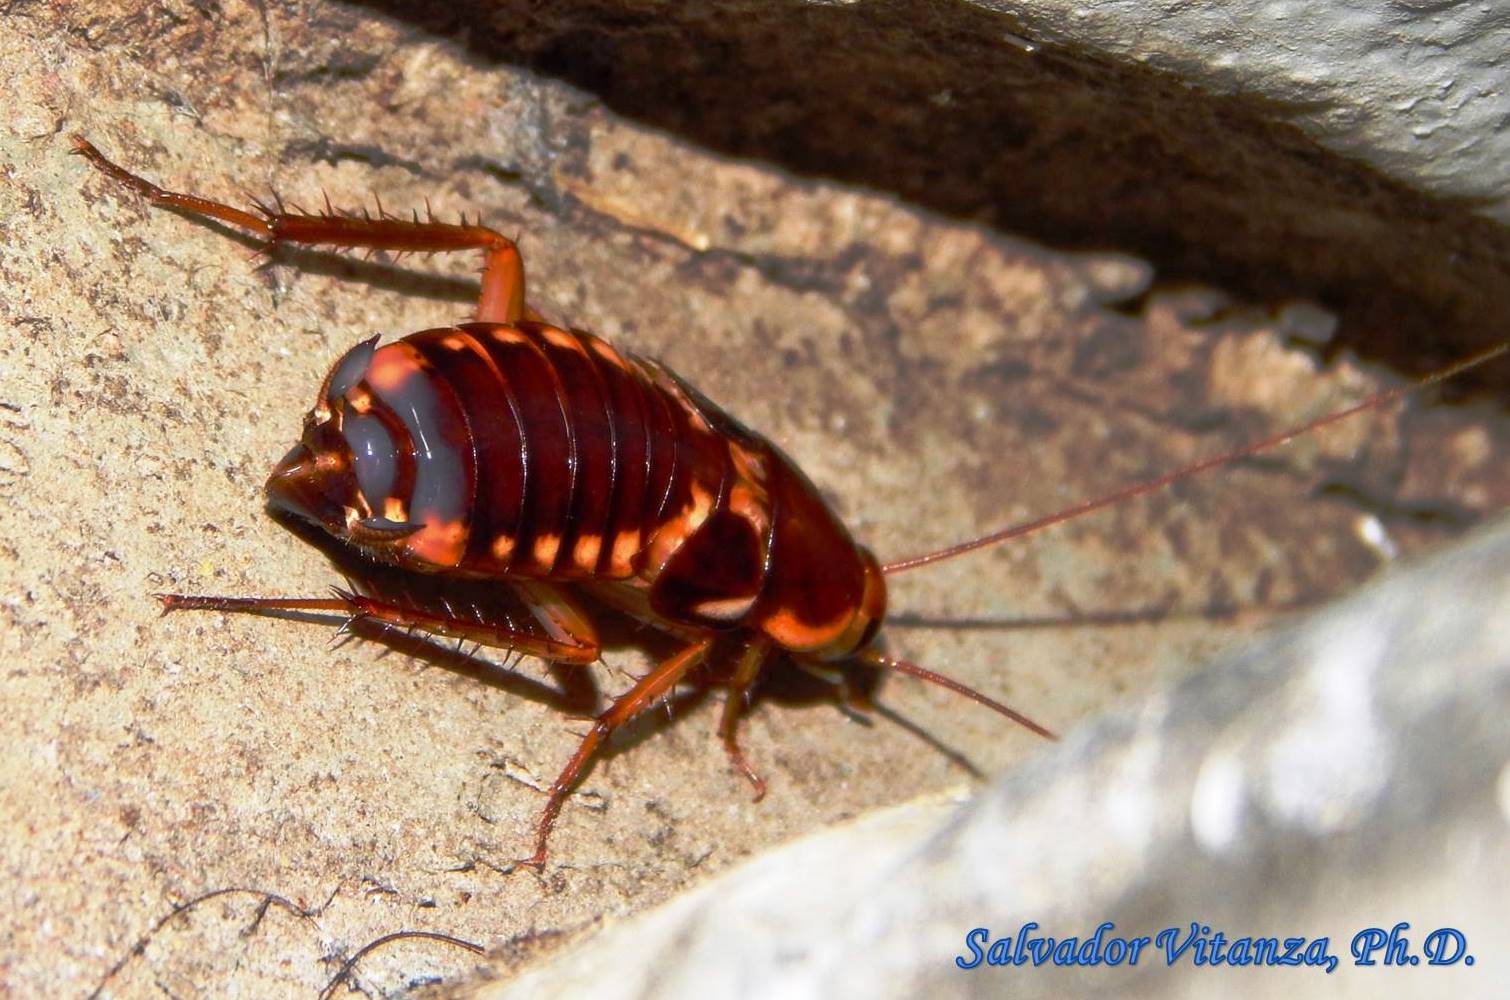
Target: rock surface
1350, 152
1350, 771
937, 378
1415, 89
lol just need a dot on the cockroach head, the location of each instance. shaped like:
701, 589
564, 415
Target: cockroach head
340, 474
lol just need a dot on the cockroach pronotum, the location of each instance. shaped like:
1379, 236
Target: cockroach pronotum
540, 465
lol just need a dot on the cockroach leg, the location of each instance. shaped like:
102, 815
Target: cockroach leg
562, 646
746, 672
560, 616
253, 223
848, 696
502, 299
579, 648
250, 605
645, 693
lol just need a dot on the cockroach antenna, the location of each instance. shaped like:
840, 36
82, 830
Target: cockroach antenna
1196, 468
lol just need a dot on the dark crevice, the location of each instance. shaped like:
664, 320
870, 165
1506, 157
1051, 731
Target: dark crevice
1438, 513
930, 100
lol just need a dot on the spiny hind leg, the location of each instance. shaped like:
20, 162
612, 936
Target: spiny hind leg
502, 299
746, 672
569, 638
646, 692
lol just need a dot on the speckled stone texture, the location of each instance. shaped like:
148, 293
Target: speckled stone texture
937, 378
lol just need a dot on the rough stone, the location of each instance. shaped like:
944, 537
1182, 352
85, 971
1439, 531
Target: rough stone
1344, 773
1415, 89
937, 378
1353, 153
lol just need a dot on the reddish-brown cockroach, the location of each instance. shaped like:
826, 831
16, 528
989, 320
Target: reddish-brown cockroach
539, 462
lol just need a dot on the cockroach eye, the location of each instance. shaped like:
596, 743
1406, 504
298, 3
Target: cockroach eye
348, 371
373, 457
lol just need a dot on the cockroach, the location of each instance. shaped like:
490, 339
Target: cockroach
540, 462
